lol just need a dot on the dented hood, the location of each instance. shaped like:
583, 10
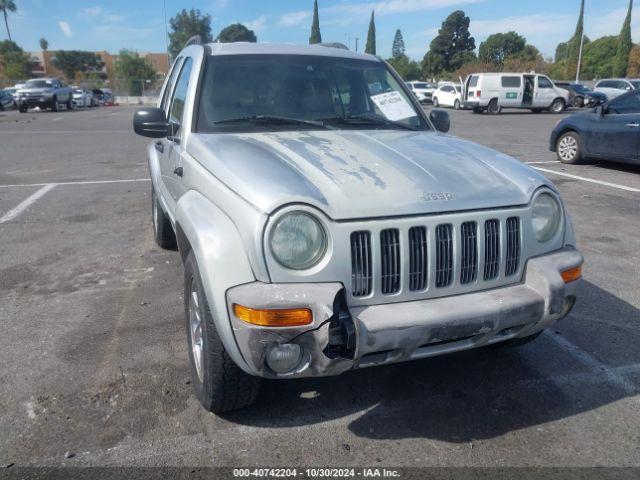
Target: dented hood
365, 173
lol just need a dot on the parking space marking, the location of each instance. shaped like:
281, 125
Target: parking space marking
60, 132
88, 182
590, 180
13, 213
540, 163
56, 119
594, 364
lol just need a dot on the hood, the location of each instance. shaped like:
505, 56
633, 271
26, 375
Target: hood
365, 174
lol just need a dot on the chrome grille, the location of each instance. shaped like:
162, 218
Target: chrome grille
513, 246
361, 264
469, 247
418, 260
390, 260
444, 255
491, 249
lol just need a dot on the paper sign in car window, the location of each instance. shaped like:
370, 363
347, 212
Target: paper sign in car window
393, 106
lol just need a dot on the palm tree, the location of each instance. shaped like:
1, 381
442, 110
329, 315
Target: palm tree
7, 6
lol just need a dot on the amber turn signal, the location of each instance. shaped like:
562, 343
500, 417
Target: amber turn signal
572, 274
290, 317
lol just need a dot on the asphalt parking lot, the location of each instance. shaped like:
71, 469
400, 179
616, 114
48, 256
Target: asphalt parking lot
93, 351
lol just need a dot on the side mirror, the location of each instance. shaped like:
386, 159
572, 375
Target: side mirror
440, 120
150, 122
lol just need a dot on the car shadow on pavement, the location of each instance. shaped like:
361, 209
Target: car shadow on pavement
461, 397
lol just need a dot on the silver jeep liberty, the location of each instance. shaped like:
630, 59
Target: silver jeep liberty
326, 223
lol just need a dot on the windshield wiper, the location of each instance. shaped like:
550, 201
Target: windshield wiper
267, 119
371, 120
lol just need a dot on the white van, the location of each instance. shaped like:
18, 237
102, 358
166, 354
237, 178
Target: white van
491, 92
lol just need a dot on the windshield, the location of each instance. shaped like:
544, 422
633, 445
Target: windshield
636, 84
267, 92
39, 84
421, 85
580, 88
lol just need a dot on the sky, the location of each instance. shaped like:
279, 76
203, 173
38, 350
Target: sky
139, 24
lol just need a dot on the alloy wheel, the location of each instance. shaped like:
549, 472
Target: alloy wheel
567, 148
195, 330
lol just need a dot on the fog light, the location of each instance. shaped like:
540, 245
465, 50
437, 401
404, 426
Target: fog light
284, 358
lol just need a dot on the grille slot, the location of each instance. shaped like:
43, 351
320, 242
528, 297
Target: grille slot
361, 264
469, 244
418, 262
390, 260
491, 249
444, 255
513, 246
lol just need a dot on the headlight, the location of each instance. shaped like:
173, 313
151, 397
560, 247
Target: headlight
546, 216
298, 241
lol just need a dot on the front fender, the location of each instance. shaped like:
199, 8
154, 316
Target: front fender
222, 260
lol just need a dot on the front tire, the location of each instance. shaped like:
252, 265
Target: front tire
435, 102
568, 148
162, 230
456, 105
557, 106
219, 384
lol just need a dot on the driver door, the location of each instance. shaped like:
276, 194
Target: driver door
616, 134
544, 93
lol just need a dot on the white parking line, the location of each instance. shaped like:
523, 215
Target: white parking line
88, 182
593, 363
11, 214
540, 163
56, 119
590, 180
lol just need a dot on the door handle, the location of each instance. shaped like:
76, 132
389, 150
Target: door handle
160, 147
633, 125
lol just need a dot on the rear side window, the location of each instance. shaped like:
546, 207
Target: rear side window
606, 84
473, 82
511, 82
622, 85
180, 97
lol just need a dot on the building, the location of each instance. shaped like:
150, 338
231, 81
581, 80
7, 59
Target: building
42, 65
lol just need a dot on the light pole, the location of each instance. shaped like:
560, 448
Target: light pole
579, 58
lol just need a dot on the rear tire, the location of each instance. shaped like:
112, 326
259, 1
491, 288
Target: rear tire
557, 106
568, 148
23, 108
219, 384
456, 105
578, 102
435, 102
162, 230
493, 108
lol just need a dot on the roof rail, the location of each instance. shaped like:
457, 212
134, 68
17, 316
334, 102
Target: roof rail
339, 45
195, 40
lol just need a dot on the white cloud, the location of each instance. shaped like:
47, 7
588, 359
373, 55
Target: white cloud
218, 4
292, 19
92, 11
258, 24
66, 28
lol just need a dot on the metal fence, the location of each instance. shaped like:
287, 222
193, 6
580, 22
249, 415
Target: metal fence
125, 87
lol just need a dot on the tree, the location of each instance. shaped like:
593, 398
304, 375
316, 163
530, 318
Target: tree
370, 47
7, 6
72, 62
397, 49
573, 46
315, 37
633, 68
624, 46
598, 57
406, 68
134, 70
44, 45
236, 33
561, 52
453, 46
497, 47
14, 62
184, 26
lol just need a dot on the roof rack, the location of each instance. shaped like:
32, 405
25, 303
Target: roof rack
339, 45
195, 40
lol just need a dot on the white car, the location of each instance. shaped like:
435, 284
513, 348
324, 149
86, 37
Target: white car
613, 87
82, 97
422, 90
448, 95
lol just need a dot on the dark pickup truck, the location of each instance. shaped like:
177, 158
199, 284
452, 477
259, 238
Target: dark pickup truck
44, 93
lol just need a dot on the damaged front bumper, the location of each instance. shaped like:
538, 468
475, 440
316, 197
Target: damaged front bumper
342, 338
